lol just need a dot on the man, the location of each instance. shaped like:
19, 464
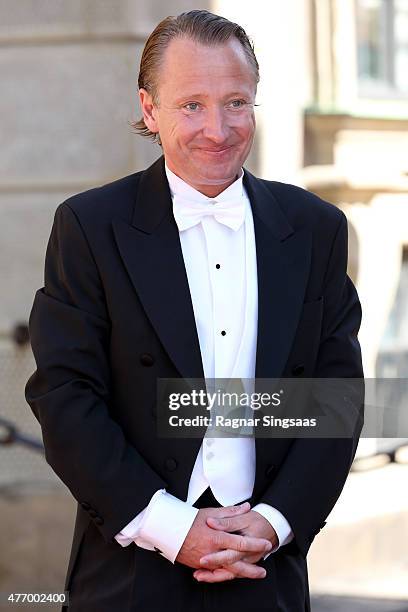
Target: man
192, 268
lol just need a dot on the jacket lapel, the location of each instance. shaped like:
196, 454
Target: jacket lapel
151, 251
283, 261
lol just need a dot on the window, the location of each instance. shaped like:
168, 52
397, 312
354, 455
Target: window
382, 47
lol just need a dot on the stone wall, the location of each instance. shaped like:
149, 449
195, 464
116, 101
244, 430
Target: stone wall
68, 73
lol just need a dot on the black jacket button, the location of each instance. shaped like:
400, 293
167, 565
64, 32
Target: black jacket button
171, 464
146, 359
269, 471
85, 506
298, 370
99, 520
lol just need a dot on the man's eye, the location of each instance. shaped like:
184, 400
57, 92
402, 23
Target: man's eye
191, 106
238, 103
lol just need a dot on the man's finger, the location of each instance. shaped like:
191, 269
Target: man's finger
223, 540
230, 524
240, 569
247, 570
218, 575
221, 558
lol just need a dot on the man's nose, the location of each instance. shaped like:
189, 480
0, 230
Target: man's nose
215, 126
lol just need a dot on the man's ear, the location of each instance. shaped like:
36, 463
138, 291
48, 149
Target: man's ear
148, 110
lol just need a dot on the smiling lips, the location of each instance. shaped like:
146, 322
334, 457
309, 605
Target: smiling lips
217, 151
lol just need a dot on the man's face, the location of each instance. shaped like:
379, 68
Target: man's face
205, 113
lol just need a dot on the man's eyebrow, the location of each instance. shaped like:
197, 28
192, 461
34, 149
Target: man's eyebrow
191, 96
234, 94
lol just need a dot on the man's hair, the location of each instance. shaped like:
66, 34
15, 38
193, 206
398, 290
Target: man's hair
200, 26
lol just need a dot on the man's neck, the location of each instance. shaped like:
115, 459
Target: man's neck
210, 191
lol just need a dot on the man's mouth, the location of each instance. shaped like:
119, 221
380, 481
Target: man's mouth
217, 150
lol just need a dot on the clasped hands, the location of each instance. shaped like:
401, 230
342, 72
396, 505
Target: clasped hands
226, 543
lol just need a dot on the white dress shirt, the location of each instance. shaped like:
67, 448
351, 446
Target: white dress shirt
220, 262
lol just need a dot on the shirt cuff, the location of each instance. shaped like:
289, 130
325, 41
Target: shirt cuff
278, 522
167, 524
131, 532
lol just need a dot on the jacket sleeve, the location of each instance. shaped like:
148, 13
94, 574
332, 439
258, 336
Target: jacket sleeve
70, 390
309, 482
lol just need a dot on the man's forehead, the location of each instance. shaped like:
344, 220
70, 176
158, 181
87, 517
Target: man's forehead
192, 61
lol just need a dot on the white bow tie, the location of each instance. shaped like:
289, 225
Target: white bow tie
188, 213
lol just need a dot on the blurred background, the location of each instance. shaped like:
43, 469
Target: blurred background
333, 118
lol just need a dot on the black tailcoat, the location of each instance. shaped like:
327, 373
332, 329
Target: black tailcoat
115, 314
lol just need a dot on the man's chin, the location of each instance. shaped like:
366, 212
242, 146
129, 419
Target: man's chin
219, 175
